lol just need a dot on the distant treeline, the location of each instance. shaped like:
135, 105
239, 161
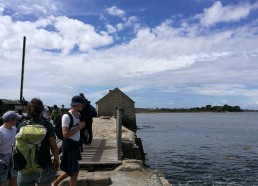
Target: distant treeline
207, 108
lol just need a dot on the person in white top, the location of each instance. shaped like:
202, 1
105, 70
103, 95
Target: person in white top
70, 146
7, 139
46, 112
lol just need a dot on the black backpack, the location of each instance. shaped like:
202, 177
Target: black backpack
93, 112
58, 124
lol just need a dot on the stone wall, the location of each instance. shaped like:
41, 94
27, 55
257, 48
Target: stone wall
117, 99
130, 173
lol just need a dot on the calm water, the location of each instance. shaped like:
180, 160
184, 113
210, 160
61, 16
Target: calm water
202, 148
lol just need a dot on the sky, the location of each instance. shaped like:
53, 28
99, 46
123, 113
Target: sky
161, 53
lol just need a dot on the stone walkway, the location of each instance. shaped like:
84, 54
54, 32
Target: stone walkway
130, 173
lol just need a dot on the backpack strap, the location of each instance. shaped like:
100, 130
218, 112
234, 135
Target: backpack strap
30, 121
71, 120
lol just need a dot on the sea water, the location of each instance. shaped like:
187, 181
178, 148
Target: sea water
202, 148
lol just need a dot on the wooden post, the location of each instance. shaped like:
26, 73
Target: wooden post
119, 132
22, 71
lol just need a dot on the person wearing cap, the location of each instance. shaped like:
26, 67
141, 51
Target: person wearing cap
70, 146
7, 139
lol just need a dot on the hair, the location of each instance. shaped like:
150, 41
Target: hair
82, 95
1, 121
35, 108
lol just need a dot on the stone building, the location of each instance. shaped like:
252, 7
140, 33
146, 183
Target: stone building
6, 105
108, 105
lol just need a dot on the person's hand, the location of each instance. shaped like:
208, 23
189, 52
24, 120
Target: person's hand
81, 125
56, 163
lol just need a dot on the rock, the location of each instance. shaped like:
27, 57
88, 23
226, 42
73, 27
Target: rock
90, 179
131, 165
105, 117
164, 181
98, 178
132, 172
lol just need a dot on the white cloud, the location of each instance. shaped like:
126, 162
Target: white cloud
219, 13
114, 11
218, 89
120, 26
110, 29
67, 34
32, 8
75, 32
186, 59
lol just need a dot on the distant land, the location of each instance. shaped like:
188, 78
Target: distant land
207, 108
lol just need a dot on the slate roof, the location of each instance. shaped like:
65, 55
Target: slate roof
113, 92
10, 102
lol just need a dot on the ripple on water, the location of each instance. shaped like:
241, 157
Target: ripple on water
203, 149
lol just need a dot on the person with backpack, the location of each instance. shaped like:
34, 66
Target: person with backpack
87, 113
7, 139
34, 140
70, 146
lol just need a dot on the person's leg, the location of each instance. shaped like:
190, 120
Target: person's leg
82, 134
12, 175
73, 179
46, 177
89, 129
26, 179
3, 175
12, 181
49, 184
60, 178
83, 138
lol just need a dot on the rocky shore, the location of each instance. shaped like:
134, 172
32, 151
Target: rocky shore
131, 172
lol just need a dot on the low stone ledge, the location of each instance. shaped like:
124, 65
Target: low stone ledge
86, 178
131, 165
133, 172
130, 173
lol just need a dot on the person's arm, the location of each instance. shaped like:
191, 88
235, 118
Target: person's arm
54, 150
67, 133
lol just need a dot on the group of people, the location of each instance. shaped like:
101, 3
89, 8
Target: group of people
71, 153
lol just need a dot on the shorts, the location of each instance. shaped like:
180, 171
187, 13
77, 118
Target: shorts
8, 172
71, 155
45, 177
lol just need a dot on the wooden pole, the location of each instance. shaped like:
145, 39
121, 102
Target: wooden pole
22, 71
119, 133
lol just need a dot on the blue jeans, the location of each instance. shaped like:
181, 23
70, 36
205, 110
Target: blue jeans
44, 177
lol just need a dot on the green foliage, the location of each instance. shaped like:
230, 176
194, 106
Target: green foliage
207, 108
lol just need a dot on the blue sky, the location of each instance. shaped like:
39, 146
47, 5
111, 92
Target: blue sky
167, 53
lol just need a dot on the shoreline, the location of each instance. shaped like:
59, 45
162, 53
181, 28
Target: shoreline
132, 171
